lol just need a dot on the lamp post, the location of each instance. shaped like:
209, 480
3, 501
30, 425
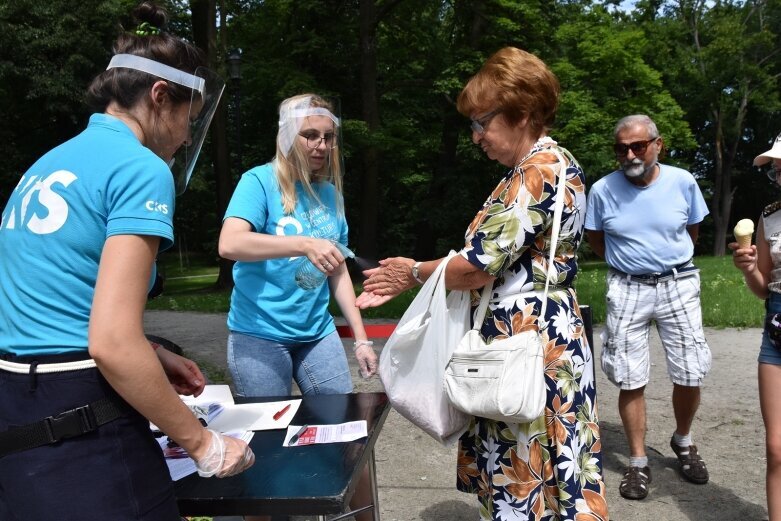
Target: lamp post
234, 72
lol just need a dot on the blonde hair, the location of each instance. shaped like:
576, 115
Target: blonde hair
295, 166
518, 84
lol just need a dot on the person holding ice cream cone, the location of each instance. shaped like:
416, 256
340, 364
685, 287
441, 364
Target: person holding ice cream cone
761, 267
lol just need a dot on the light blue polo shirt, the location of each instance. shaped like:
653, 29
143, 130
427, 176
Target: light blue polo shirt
101, 183
266, 302
645, 226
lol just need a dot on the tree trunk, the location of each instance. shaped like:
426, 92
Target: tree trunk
204, 16
727, 143
370, 196
452, 126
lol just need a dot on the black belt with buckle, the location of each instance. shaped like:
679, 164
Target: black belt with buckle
654, 278
68, 424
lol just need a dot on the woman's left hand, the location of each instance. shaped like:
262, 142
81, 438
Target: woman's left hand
367, 360
184, 374
370, 300
745, 259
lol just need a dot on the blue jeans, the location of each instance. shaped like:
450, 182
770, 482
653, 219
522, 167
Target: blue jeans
768, 353
267, 368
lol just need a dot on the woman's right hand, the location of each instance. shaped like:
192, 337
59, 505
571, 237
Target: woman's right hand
324, 254
223, 456
384, 282
745, 259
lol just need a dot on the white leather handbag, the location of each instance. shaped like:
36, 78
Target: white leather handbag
504, 380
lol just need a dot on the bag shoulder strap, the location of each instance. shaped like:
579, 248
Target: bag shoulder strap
558, 209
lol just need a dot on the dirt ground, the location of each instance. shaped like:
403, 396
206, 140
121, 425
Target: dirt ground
416, 475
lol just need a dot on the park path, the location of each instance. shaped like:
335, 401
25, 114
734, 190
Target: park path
417, 476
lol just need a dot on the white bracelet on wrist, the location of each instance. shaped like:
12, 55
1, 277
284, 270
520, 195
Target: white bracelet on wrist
359, 343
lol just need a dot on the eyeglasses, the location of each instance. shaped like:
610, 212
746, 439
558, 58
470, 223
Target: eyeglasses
478, 125
638, 148
773, 172
313, 139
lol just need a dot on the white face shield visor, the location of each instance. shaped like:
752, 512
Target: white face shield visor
206, 87
293, 116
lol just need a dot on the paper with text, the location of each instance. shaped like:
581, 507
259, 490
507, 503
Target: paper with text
342, 432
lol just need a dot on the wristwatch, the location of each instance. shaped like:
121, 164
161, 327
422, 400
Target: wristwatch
416, 272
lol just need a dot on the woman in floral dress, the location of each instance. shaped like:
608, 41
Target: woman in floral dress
551, 468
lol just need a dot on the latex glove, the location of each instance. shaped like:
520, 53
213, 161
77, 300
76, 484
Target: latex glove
225, 457
184, 374
367, 359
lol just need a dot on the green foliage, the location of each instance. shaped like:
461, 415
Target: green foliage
49, 52
432, 179
604, 77
726, 302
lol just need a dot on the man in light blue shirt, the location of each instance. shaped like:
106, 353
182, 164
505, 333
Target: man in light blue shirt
644, 220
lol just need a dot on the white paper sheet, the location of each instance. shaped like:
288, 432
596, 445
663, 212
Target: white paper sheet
216, 406
211, 394
255, 416
341, 432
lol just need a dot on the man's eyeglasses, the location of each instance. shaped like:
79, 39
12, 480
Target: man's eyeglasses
773, 172
638, 148
478, 125
313, 139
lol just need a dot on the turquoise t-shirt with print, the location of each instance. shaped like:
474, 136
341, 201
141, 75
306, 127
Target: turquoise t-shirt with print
266, 301
101, 183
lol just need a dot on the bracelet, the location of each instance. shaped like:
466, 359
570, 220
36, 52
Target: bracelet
416, 272
359, 343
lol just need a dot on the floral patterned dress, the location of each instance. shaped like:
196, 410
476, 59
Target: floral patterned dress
551, 468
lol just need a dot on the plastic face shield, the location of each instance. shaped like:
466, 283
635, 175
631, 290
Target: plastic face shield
206, 87
293, 114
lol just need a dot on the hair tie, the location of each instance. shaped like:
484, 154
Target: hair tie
147, 29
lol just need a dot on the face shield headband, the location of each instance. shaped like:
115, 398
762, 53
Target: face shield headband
291, 119
207, 88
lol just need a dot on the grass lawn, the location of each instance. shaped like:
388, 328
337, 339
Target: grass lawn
725, 300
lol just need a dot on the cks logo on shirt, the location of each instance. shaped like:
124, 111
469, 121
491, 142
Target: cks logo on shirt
154, 206
36, 206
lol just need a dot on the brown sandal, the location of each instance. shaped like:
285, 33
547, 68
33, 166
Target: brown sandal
692, 466
634, 484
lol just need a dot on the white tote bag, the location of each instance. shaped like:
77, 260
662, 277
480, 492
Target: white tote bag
504, 380
413, 360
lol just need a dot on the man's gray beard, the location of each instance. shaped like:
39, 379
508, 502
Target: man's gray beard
634, 170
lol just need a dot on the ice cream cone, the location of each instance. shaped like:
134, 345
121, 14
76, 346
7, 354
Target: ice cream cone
743, 231
744, 241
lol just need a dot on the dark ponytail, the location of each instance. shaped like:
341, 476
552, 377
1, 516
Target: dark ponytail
147, 39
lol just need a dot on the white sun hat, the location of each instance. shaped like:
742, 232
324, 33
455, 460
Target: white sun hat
773, 153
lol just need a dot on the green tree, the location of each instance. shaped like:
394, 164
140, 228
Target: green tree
604, 76
725, 73
49, 52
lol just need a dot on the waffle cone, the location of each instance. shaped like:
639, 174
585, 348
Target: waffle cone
744, 241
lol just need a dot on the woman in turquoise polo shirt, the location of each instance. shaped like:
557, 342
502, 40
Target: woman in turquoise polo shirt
78, 238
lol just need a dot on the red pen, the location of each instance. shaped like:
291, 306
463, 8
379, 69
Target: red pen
278, 414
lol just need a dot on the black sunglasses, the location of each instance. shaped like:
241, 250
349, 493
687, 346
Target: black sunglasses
638, 148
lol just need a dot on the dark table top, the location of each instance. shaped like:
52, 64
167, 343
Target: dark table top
308, 480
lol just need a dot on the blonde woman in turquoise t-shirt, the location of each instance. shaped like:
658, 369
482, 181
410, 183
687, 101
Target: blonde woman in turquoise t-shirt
284, 216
